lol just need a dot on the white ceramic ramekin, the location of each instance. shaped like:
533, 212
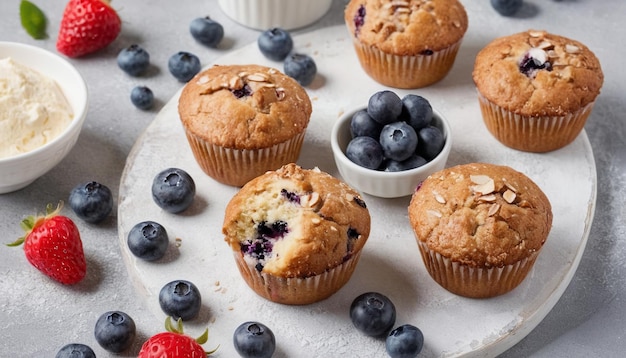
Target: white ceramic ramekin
19, 171
381, 183
266, 14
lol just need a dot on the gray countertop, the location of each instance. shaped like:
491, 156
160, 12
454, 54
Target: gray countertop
38, 316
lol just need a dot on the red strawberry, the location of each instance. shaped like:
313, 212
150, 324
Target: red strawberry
87, 26
52, 244
174, 344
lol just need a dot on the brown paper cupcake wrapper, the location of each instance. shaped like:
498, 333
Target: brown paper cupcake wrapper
238, 166
410, 71
532, 134
296, 291
475, 282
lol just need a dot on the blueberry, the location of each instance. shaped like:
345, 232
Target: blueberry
365, 151
173, 190
115, 331
362, 124
414, 161
261, 246
416, 111
533, 61
206, 31
290, 196
300, 67
430, 142
405, 341
183, 65
76, 350
359, 19
507, 7
133, 60
398, 140
148, 240
275, 43
180, 299
91, 201
373, 313
244, 91
384, 107
142, 97
254, 340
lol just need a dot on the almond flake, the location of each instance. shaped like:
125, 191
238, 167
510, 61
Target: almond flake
202, 80
280, 93
569, 48
485, 188
434, 213
235, 82
535, 33
493, 209
511, 187
316, 221
490, 197
479, 179
439, 198
257, 77
545, 45
313, 199
509, 196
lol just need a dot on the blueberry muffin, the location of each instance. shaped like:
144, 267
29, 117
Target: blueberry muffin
406, 43
243, 120
479, 227
296, 234
536, 89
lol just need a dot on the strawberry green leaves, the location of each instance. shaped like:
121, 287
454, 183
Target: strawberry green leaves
33, 20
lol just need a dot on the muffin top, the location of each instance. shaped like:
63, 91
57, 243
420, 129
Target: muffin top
244, 106
482, 215
294, 222
407, 27
535, 73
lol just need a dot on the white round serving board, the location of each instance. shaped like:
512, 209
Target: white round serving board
391, 264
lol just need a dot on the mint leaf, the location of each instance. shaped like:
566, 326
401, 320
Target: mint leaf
33, 20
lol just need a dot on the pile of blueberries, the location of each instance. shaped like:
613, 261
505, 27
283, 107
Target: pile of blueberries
275, 44
394, 134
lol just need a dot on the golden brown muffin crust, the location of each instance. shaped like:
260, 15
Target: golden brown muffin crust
407, 27
275, 109
573, 82
481, 215
319, 222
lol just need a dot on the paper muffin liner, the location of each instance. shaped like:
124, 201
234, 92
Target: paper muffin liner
475, 282
409, 71
238, 166
296, 291
266, 14
538, 134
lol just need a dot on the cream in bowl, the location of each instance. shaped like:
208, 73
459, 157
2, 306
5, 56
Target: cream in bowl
33, 109
390, 178
43, 103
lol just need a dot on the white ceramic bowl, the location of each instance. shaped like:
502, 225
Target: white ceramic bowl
19, 171
380, 183
266, 14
